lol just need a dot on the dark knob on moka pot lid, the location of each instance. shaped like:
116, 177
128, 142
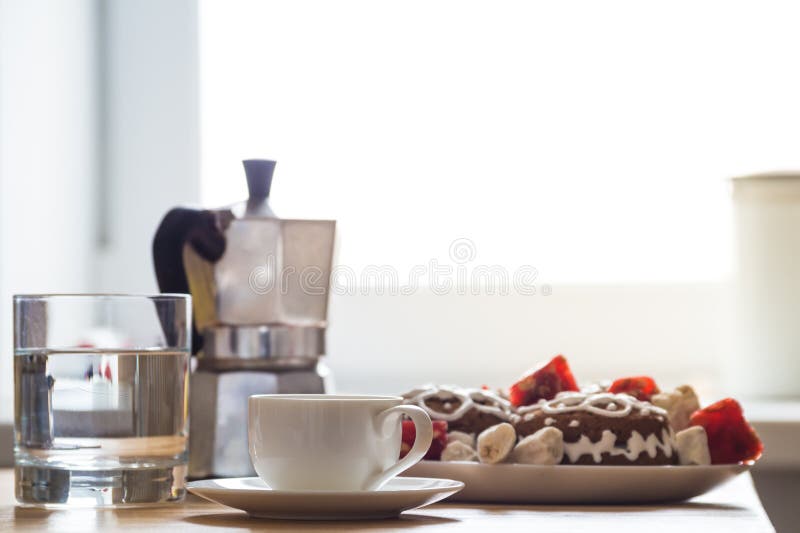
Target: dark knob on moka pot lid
259, 177
259, 181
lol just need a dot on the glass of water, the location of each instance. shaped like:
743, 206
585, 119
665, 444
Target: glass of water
101, 398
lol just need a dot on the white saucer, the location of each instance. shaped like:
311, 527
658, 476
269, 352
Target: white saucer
251, 495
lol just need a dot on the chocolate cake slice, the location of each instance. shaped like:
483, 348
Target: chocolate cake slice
603, 428
467, 410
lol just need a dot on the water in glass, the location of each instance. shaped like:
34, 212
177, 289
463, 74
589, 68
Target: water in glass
99, 427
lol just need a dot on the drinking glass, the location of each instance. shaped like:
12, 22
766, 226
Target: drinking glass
101, 398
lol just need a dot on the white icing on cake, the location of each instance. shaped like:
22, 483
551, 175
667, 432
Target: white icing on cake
636, 445
549, 421
524, 409
574, 423
469, 398
604, 404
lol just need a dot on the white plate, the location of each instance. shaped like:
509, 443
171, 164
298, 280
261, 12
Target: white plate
578, 484
251, 495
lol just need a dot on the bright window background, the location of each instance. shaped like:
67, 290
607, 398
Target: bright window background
592, 140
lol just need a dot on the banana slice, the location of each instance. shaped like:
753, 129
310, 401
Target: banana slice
458, 451
460, 436
692, 444
545, 447
680, 404
496, 442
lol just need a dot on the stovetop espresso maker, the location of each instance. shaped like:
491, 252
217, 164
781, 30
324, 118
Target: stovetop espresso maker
259, 286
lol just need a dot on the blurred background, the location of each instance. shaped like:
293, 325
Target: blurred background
592, 144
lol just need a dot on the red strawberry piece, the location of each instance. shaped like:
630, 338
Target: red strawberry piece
439, 441
640, 387
730, 438
543, 383
437, 444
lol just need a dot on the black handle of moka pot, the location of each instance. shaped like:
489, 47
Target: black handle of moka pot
179, 226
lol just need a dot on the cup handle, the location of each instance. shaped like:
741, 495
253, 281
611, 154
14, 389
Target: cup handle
422, 441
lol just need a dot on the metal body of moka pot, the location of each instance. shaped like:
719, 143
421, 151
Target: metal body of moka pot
259, 286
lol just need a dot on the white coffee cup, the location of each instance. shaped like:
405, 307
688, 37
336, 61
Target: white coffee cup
331, 442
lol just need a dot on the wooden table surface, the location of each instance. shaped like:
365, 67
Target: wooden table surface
731, 508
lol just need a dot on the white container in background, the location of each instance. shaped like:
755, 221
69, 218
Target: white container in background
767, 287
